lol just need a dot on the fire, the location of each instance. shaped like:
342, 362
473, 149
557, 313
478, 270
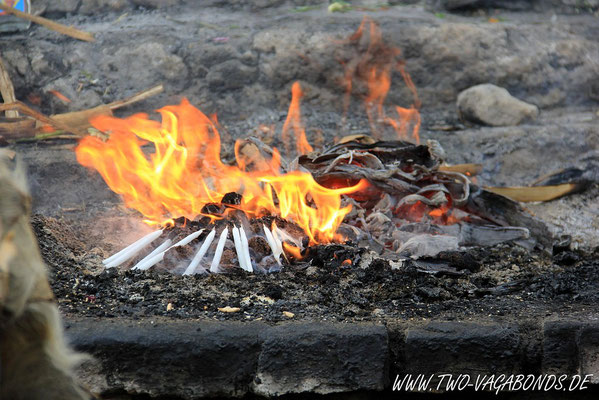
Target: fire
171, 169
184, 172
294, 122
373, 69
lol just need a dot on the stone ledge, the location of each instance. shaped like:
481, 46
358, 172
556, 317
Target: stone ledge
196, 359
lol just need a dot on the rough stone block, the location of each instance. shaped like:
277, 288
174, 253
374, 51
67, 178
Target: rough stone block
322, 358
589, 352
462, 348
560, 350
187, 360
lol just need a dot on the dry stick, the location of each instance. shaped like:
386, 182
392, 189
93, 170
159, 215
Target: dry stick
80, 119
13, 128
136, 97
7, 90
55, 26
25, 109
43, 136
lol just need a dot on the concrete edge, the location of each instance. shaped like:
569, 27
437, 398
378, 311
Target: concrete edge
195, 359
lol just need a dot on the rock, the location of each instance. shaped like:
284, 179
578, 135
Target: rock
90, 7
61, 7
462, 348
231, 74
144, 65
456, 4
156, 3
321, 358
451, 5
560, 350
589, 352
231, 359
492, 105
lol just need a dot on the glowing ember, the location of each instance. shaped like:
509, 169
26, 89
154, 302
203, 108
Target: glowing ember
185, 172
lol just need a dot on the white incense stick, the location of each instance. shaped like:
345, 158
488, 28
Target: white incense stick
245, 248
219, 250
186, 240
120, 253
284, 236
238, 248
272, 244
150, 262
160, 249
131, 250
277, 237
200, 254
269, 238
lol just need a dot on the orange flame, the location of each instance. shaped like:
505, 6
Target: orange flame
185, 172
295, 122
374, 68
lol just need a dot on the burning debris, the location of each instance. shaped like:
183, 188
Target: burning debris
410, 206
390, 196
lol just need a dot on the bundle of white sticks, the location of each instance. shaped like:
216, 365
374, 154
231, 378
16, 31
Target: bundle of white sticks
274, 237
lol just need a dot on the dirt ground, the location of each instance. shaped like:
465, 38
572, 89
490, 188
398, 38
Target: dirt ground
510, 283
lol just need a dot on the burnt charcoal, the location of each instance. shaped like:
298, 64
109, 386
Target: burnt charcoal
562, 244
437, 268
273, 291
181, 221
333, 255
504, 212
387, 151
228, 261
231, 198
566, 258
376, 271
260, 246
432, 293
213, 209
460, 260
567, 175
185, 225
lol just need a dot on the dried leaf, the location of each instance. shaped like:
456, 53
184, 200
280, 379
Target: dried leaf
364, 139
535, 193
466, 169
